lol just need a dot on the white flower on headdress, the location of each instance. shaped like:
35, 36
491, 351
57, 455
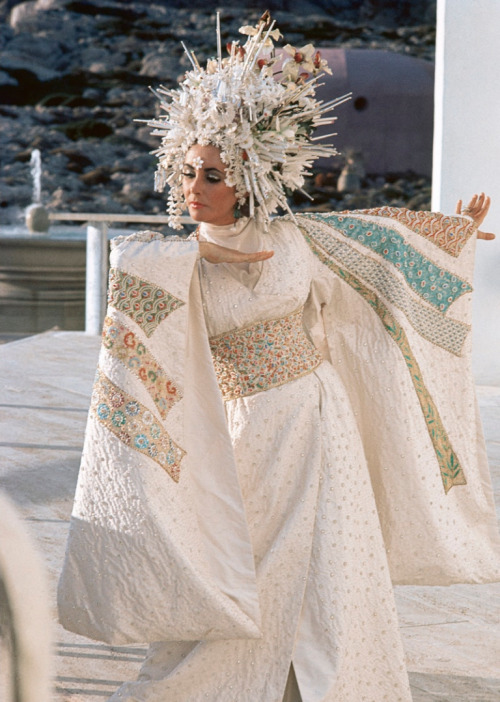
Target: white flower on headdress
212, 66
253, 31
197, 163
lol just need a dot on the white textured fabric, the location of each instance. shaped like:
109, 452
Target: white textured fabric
299, 498
132, 526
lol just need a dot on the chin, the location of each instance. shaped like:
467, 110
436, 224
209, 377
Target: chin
198, 215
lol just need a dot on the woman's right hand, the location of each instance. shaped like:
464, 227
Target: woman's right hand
213, 253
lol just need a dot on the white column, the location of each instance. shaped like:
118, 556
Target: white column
466, 156
96, 278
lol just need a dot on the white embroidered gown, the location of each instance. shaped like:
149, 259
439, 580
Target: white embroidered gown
322, 576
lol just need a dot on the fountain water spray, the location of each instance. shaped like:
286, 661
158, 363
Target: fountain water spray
37, 217
36, 174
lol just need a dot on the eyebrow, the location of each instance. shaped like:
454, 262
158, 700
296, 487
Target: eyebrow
211, 168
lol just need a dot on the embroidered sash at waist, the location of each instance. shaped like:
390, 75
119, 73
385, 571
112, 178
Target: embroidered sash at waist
262, 356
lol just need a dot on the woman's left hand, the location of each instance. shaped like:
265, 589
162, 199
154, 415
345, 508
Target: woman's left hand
477, 209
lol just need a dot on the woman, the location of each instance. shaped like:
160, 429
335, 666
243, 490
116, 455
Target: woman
282, 419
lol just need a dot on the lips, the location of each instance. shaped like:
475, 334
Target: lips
196, 205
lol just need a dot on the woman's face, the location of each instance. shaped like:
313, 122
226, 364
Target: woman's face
208, 197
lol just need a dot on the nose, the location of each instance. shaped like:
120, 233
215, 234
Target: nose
195, 183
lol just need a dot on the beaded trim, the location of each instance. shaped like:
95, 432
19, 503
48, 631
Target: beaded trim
263, 356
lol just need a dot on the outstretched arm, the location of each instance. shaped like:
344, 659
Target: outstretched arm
477, 209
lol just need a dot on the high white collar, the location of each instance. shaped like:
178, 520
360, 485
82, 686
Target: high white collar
244, 235
237, 235
227, 234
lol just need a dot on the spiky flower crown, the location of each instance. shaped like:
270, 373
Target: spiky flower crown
262, 125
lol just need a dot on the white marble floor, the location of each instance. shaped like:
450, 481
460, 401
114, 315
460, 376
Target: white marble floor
451, 634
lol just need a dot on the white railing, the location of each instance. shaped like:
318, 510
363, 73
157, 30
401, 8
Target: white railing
96, 279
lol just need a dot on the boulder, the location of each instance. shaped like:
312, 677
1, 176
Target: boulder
161, 65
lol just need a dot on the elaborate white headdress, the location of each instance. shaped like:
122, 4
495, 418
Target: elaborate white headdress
263, 126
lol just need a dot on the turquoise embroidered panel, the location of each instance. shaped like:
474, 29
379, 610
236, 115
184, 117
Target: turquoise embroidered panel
451, 471
430, 323
435, 285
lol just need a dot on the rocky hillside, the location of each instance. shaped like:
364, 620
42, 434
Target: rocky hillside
74, 75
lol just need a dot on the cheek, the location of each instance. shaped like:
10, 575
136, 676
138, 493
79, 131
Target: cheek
229, 197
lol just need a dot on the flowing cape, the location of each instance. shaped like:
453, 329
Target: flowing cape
159, 547
397, 330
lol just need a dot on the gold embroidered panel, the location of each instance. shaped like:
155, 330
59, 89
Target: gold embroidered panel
146, 303
124, 345
132, 423
262, 356
450, 468
447, 232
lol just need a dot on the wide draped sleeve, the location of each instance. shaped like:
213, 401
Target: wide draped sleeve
158, 547
390, 307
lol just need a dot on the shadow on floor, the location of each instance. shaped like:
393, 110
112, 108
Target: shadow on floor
432, 687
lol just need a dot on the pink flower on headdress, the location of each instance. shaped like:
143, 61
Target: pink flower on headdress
302, 61
239, 51
321, 64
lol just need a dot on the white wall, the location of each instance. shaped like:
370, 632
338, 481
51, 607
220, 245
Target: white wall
466, 156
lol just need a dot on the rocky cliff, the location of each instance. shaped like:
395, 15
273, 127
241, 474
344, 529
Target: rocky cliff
74, 76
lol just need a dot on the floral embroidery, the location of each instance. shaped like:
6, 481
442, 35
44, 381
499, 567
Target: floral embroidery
134, 425
450, 468
448, 233
432, 324
435, 285
146, 303
124, 345
262, 356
